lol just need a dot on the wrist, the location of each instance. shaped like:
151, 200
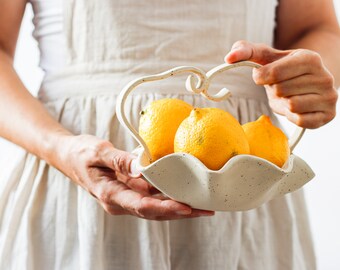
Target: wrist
54, 147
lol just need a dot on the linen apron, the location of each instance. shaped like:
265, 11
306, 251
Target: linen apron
47, 222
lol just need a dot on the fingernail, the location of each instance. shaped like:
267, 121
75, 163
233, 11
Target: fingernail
134, 172
184, 212
232, 50
226, 58
207, 213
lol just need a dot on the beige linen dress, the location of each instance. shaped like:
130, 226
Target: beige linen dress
47, 222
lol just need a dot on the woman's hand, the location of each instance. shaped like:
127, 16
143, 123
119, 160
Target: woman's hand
110, 176
297, 83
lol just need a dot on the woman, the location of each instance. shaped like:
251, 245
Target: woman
76, 147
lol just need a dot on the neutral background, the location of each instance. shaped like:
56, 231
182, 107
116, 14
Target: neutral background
320, 148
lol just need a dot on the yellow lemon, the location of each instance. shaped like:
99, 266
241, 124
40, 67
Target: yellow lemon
159, 122
212, 135
267, 141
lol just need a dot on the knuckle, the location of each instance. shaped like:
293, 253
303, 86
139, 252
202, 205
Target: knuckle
100, 146
305, 122
266, 51
103, 196
142, 208
146, 209
300, 121
240, 43
139, 210
279, 90
119, 162
310, 58
273, 74
332, 97
328, 81
94, 152
315, 121
298, 53
292, 105
313, 57
330, 116
335, 96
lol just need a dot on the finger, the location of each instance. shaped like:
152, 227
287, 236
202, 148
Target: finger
134, 172
115, 192
259, 53
296, 64
120, 161
137, 184
310, 120
305, 103
307, 84
160, 196
194, 214
302, 103
292, 105
116, 212
114, 209
305, 117
154, 192
147, 206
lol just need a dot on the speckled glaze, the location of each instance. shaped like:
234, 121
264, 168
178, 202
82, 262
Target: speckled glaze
244, 182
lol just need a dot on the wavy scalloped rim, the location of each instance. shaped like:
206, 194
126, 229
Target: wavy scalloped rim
243, 183
144, 164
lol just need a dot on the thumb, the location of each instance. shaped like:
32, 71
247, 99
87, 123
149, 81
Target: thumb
134, 172
258, 53
122, 162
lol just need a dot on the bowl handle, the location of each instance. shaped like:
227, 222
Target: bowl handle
197, 82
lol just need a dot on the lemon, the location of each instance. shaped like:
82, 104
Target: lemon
159, 122
212, 135
267, 141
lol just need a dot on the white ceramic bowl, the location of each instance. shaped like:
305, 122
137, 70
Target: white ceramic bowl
244, 182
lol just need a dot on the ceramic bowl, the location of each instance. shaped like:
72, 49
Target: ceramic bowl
244, 182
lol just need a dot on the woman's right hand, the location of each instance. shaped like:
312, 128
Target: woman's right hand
109, 175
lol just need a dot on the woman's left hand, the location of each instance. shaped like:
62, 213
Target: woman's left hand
297, 83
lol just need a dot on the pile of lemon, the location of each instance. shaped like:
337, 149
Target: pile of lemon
210, 134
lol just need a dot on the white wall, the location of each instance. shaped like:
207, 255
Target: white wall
320, 148
27, 55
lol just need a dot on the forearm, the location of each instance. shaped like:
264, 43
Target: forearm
23, 119
327, 44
